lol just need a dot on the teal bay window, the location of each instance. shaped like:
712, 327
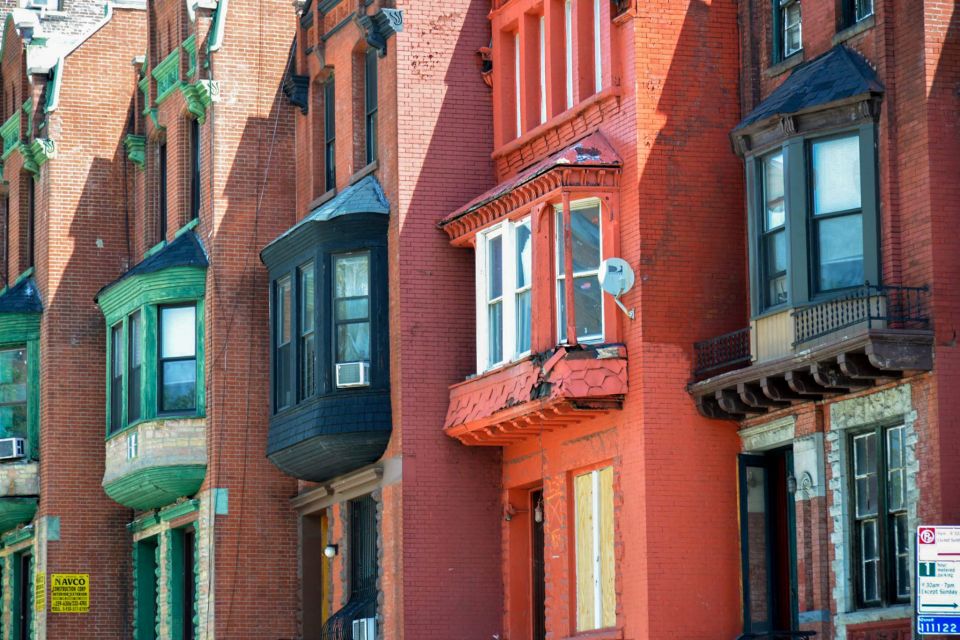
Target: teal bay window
155, 337
813, 218
20, 364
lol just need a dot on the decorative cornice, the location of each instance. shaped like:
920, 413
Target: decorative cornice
543, 187
19, 535
183, 508
167, 75
37, 153
136, 146
190, 48
378, 28
198, 98
144, 522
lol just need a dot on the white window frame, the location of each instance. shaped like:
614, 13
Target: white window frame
597, 49
568, 48
574, 205
507, 230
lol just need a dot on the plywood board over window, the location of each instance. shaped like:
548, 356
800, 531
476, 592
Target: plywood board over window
593, 511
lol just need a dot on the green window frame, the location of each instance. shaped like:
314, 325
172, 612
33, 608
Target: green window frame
135, 305
804, 221
146, 587
880, 531
176, 360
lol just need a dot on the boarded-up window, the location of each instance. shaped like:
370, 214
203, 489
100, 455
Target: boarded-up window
593, 509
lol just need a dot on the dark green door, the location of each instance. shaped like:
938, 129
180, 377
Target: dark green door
768, 542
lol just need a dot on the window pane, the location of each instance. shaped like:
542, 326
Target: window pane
776, 252
865, 471
896, 471
775, 215
179, 327
352, 276
179, 385
523, 321
836, 175
585, 226
869, 553
116, 377
116, 353
353, 342
353, 309
524, 251
135, 348
134, 360
841, 252
494, 333
307, 294
791, 29
901, 549
307, 366
13, 393
494, 267
586, 297
283, 305
864, 8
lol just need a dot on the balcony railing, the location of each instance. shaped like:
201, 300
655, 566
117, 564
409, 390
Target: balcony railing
892, 307
722, 352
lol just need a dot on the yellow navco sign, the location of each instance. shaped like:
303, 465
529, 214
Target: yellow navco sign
69, 593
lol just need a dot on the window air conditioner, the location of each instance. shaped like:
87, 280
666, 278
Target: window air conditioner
365, 629
12, 448
353, 374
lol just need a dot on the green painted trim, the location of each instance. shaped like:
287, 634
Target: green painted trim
154, 249
10, 133
187, 227
20, 535
55, 84
167, 75
33, 397
190, 47
19, 328
155, 119
156, 486
27, 108
221, 501
179, 510
216, 33
197, 97
145, 567
14, 512
53, 528
201, 358
23, 276
37, 153
144, 522
175, 284
136, 146
144, 85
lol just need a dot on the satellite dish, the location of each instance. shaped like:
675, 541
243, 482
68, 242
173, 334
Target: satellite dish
616, 278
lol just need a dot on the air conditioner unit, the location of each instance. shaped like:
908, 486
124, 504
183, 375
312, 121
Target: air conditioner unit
12, 448
365, 629
353, 374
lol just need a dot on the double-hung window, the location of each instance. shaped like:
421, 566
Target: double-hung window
505, 278
307, 353
853, 11
594, 550
134, 365
788, 25
177, 380
878, 472
13, 393
116, 376
351, 318
370, 98
586, 243
837, 215
329, 133
773, 244
283, 320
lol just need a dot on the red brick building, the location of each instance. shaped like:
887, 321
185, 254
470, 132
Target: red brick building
839, 386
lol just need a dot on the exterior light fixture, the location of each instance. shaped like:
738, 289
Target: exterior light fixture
330, 550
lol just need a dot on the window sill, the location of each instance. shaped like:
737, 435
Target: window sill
319, 200
882, 614
363, 173
855, 29
193, 224
600, 634
784, 65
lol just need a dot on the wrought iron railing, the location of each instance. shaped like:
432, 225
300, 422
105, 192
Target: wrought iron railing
723, 352
892, 307
778, 635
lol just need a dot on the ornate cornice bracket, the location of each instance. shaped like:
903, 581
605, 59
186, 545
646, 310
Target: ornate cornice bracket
136, 146
378, 28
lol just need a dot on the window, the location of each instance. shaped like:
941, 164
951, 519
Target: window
597, 48
177, 380
773, 244
787, 28
134, 366
13, 393
588, 304
32, 222
50, 5
543, 69
880, 528
351, 317
283, 319
116, 377
837, 215
814, 219
194, 169
505, 274
853, 11
307, 353
162, 193
370, 93
595, 566
568, 49
330, 133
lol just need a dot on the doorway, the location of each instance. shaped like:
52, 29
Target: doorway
538, 570
768, 542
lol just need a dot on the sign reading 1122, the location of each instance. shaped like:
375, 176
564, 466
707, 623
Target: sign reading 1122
938, 580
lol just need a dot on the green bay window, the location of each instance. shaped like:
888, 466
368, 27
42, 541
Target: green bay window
155, 318
814, 219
